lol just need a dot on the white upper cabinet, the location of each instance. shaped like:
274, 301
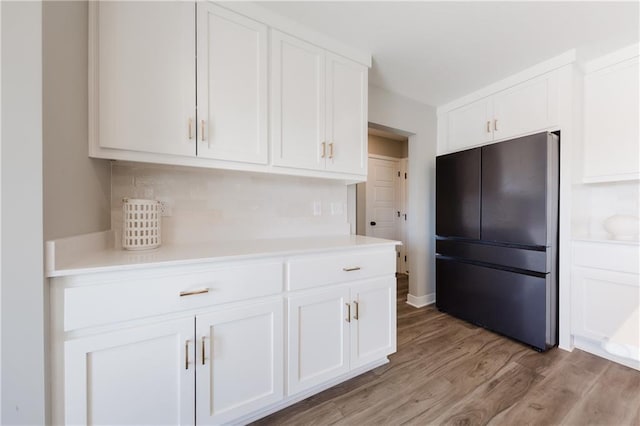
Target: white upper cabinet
470, 124
200, 84
232, 86
346, 122
524, 108
318, 108
611, 116
144, 76
297, 102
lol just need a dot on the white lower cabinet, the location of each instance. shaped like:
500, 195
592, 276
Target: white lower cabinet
337, 329
605, 313
240, 362
141, 375
205, 344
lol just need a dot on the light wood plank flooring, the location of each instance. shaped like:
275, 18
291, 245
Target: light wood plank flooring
447, 371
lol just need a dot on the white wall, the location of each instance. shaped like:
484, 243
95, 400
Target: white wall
400, 113
216, 205
21, 272
76, 188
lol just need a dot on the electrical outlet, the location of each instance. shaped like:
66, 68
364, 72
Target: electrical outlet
165, 208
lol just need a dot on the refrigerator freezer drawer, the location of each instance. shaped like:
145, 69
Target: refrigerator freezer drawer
516, 305
511, 257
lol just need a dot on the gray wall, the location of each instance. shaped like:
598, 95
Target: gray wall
400, 113
21, 276
77, 189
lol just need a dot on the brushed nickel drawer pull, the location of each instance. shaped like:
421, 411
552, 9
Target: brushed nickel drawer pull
488, 126
202, 129
353, 268
190, 130
495, 124
348, 318
186, 354
324, 150
193, 292
203, 352
356, 316
331, 150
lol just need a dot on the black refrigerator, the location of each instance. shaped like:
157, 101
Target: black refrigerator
497, 237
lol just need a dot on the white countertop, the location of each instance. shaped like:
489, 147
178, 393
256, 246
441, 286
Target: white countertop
94, 253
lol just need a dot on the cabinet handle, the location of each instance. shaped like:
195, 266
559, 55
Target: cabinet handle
186, 354
353, 268
355, 317
331, 150
488, 126
348, 318
203, 351
190, 128
495, 124
193, 292
202, 129
324, 149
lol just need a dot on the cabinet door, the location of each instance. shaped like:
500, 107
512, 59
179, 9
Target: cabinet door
144, 97
346, 118
373, 326
232, 86
142, 375
470, 125
606, 305
525, 108
318, 338
297, 103
240, 363
611, 123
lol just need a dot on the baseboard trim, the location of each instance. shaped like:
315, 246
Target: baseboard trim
421, 301
595, 347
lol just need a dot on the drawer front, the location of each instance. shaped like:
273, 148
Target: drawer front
509, 303
318, 270
115, 301
613, 257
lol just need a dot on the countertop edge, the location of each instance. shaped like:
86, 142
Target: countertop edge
116, 260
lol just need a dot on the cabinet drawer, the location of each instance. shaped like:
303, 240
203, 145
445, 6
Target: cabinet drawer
313, 271
611, 256
127, 299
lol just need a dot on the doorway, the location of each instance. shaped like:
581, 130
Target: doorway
381, 201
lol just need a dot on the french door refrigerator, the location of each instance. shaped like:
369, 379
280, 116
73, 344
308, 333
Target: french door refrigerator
496, 237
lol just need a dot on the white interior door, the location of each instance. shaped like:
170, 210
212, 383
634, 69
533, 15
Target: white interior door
402, 265
382, 214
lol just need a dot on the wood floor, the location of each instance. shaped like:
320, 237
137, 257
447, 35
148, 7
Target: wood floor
447, 371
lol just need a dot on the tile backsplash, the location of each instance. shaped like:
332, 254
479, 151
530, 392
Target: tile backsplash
216, 205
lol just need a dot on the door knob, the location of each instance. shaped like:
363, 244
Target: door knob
372, 223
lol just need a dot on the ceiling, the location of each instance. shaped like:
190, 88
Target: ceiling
434, 52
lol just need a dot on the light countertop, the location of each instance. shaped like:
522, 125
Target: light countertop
93, 253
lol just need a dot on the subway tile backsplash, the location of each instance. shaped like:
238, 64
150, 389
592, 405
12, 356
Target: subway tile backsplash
216, 205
